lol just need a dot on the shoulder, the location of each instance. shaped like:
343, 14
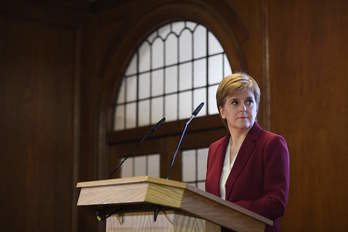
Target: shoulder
269, 141
220, 142
266, 136
271, 136
275, 148
273, 139
218, 147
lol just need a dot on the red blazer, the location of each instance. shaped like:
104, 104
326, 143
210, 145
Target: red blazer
259, 179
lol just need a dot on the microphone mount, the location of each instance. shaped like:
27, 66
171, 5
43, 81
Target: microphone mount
194, 114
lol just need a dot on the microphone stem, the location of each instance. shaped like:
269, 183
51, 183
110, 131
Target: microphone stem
177, 148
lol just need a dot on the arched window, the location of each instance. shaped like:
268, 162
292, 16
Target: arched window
178, 66
175, 68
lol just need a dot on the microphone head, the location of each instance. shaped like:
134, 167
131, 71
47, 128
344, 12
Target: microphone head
196, 111
158, 124
153, 129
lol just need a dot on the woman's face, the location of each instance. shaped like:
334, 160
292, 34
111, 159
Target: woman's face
239, 110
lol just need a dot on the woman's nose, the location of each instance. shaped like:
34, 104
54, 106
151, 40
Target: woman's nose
242, 107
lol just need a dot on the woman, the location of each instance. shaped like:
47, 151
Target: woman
249, 166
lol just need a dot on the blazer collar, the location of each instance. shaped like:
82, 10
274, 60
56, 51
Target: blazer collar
245, 152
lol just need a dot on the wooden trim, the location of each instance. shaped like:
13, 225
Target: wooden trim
190, 141
76, 128
201, 124
266, 66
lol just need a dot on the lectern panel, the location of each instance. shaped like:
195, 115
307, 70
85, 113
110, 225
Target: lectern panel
167, 221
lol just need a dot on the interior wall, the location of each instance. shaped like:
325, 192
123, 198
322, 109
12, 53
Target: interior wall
39, 120
309, 102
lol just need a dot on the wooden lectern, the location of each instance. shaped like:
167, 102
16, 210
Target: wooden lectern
180, 207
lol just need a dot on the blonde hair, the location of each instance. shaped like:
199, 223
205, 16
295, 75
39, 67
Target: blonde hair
234, 82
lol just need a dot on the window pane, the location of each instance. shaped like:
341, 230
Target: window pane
152, 37
119, 118
131, 83
144, 57
171, 50
212, 100
200, 73
227, 67
201, 185
154, 165
164, 31
140, 166
185, 43
194, 164
121, 93
127, 168
171, 79
185, 105
188, 165
191, 25
199, 95
215, 69
177, 27
185, 76
130, 114
145, 165
157, 109
144, 85
200, 42
171, 107
157, 53
214, 45
157, 82
132, 67
144, 113
202, 156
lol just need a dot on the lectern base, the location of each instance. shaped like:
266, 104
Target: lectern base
167, 221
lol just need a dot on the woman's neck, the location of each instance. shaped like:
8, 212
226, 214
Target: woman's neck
237, 137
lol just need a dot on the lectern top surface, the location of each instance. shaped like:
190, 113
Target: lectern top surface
128, 180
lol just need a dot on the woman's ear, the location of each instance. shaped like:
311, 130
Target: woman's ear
222, 112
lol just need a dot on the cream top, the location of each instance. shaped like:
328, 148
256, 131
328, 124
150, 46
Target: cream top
226, 169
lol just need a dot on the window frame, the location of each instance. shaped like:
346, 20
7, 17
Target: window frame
224, 23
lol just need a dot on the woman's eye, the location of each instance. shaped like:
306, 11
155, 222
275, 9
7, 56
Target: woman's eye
234, 102
249, 102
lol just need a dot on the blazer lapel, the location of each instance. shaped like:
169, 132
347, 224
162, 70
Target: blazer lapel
246, 150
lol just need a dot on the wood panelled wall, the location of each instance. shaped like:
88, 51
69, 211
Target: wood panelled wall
57, 77
309, 102
39, 104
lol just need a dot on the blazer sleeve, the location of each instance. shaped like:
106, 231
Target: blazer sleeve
273, 202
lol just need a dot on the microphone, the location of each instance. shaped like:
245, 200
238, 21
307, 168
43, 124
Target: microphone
152, 130
194, 114
196, 111
146, 136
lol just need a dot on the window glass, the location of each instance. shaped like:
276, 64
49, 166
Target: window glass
145, 165
175, 69
194, 167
